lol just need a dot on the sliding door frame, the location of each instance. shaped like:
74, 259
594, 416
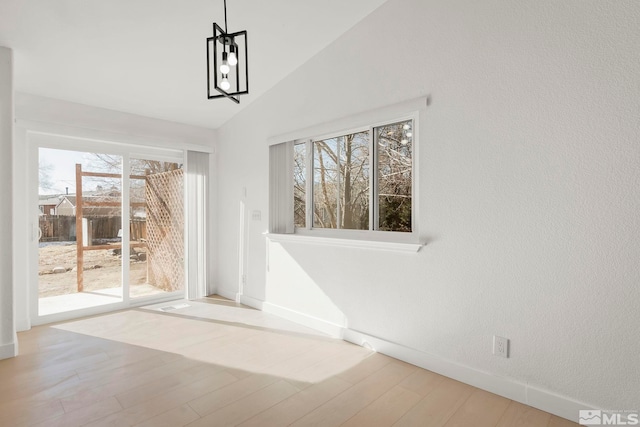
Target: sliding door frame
127, 151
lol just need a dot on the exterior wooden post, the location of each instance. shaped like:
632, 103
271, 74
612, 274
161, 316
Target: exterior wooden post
79, 237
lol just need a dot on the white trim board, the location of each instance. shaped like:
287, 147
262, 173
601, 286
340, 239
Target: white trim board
228, 294
8, 351
354, 121
345, 243
109, 137
331, 329
251, 302
527, 394
240, 298
509, 388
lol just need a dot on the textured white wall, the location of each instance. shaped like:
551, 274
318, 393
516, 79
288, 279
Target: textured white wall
529, 187
7, 332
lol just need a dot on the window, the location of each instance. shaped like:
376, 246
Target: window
299, 186
335, 185
341, 182
394, 144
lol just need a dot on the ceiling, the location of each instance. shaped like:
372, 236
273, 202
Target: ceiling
148, 57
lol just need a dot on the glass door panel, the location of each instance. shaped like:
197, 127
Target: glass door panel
80, 229
156, 259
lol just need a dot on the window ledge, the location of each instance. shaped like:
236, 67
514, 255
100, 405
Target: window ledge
345, 243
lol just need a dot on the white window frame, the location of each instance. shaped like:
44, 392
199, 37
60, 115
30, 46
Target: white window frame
373, 180
410, 110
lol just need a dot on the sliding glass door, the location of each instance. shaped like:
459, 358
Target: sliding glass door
110, 228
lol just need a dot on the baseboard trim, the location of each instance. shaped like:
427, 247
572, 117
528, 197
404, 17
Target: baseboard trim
545, 400
556, 404
8, 351
251, 302
242, 299
232, 295
23, 324
331, 329
510, 388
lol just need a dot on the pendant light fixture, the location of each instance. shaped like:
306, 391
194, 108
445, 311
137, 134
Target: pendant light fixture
227, 63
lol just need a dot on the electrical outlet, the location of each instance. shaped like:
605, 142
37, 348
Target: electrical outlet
500, 346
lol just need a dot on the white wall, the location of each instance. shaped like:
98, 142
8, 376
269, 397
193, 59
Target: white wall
8, 342
529, 189
92, 124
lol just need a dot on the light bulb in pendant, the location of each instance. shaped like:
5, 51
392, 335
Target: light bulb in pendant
224, 84
233, 59
224, 67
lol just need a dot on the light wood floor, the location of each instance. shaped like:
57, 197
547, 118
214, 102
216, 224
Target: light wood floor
217, 364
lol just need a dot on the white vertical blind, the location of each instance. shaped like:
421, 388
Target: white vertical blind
281, 188
197, 241
7, 326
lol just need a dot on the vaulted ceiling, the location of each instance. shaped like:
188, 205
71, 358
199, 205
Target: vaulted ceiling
147, 57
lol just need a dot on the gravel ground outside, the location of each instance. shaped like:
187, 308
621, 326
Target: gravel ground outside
101, 269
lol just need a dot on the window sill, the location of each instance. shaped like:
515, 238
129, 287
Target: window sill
345, 243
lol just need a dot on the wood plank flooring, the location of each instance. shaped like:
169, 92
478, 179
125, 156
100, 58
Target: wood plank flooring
216, 363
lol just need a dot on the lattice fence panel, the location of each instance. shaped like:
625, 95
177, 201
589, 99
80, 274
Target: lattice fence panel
165, 230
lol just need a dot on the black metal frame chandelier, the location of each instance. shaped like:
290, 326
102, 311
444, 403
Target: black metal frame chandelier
227, 63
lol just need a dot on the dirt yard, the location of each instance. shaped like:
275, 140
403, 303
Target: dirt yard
101, 269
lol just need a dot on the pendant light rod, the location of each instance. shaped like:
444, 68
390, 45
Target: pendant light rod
226, 30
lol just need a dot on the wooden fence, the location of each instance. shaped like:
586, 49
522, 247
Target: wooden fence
62, 228
56, 228
138, 230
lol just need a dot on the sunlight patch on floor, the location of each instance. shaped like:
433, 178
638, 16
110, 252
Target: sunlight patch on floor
235, 337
